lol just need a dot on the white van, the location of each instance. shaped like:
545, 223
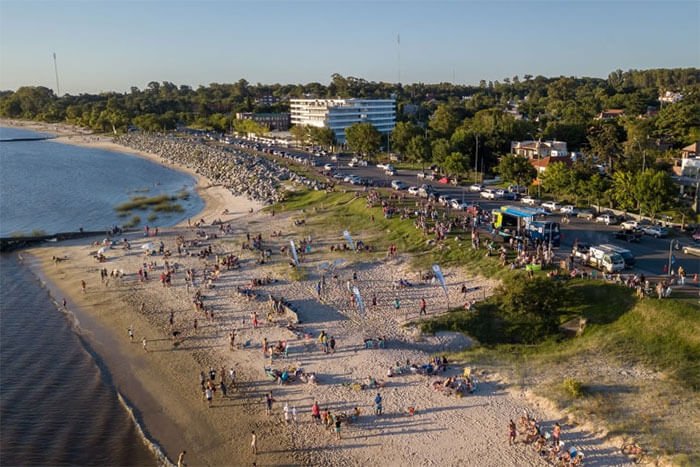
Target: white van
605, 260
626, 254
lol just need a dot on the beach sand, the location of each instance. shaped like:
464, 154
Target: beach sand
163, 384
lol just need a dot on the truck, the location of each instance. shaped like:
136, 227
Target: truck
626, 254
521, 222
605, 260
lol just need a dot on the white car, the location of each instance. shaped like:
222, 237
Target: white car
476, 187
413, 190
398, 185
381, 166
630, 225
551, 205
655, 231
328, 167
607, 219
458, 205
568, 209
488, 194
530, 201
390, 172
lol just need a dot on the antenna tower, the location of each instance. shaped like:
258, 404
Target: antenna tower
55, 69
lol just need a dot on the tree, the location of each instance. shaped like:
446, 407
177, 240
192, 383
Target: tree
556, 179
322, 136
604, 141
595, 188
444, 120
516, 169
441, 148
402, 134
419, 150
624, 189
655, 191
454, 164
363, 138
300, 133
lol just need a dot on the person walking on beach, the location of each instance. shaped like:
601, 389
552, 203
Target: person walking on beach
286, 413
144, 342
172, 319
422, 307
397, 303
331, 343
232, 339
208, 394
131, 333
195, 325
511, 432
223, 388
181, 459
65, 304
294, 414
83, 285
254, 443
316, 412
337, 428
268, 402
378, 404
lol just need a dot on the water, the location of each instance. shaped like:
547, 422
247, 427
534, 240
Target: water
53, 187
58, 405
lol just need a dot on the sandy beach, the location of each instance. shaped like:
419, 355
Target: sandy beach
424, 422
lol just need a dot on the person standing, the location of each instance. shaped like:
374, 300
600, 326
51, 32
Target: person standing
316, 412
337, 428
332, 344
223, 388
172, 319
378, 404
511, 432
195, 325
268, 402
131, 333
83, 285
181, 459
208, 394
294, 414
422, 307
286, 413
254, 443
144, 342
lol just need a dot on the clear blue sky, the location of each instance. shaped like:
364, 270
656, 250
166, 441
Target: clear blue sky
105, 46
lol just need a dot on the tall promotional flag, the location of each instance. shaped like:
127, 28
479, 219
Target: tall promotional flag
348, 238
440, 277
358, 298
294, 252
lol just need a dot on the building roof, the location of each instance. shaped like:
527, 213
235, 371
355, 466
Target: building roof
691, 148
545, 161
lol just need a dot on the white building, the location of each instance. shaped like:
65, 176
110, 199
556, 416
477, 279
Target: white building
670, 97
539, 149
338, 114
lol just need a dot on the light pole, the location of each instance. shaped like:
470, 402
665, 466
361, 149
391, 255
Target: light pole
674, 244
476, 159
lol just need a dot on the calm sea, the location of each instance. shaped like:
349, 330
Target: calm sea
56, 187
58, 405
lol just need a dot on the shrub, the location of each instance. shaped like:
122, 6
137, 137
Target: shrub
573, 387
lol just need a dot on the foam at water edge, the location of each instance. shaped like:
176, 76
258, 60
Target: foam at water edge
152, 445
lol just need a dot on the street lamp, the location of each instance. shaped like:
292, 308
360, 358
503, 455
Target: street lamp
674, 244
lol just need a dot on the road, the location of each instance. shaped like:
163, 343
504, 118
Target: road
651, 254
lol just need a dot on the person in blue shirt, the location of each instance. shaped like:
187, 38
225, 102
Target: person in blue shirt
378, 404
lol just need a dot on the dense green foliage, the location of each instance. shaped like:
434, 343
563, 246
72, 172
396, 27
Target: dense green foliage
459, 128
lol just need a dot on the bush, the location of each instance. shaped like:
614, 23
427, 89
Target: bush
133, 222
573, 388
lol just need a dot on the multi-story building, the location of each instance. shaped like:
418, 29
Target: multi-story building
338, 114
273, 121
539, 149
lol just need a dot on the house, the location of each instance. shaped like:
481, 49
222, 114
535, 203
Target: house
541, 165
539, 149
610, 114
670, 97
689, 163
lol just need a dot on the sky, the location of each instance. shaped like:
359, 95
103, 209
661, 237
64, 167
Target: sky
111, 46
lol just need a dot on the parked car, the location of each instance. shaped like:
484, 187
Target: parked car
567, 209
530, 201
696, 236
551, 205
413, 190
398, 185
607, 219
628, 235
390, 172
457, 204
580, 249
488, 194
425, 191
476, 187
517, 188
585, 214
510, 195
328, 167
631, 224
655, 231
691, 250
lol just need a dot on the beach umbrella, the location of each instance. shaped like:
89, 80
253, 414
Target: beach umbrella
147, 246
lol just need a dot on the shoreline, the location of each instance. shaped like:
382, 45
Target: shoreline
216, 198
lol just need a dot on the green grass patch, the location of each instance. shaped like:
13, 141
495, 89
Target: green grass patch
152, 217
168, 206
142, 203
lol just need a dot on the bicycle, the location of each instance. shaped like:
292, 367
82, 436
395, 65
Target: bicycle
635, 452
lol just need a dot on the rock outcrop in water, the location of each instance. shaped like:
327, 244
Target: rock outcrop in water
245, 174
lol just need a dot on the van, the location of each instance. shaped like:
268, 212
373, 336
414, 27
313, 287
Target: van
626, 254
605, 260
